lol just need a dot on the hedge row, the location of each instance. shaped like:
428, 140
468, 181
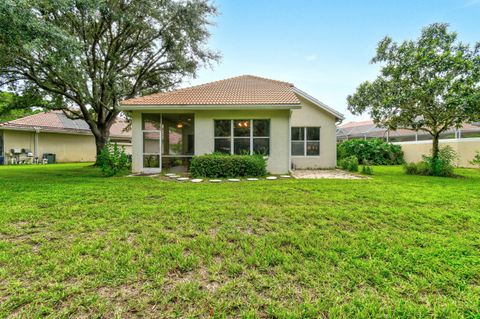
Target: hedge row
374, 151
221, 165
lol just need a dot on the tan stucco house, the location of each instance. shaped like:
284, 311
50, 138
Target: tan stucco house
240, 115
25, 139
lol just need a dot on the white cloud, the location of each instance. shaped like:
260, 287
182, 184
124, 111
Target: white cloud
311, 57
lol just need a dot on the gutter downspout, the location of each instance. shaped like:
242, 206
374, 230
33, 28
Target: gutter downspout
35, 147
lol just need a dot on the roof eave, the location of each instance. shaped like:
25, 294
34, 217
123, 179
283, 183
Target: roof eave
44, 129
194, 107
339, 116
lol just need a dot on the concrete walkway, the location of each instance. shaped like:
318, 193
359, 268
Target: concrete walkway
327, 173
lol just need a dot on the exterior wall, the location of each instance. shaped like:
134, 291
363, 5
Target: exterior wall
278, 161
465, 149
17, 139
312, 115
66, 147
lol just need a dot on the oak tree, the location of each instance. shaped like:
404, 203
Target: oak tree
85, 56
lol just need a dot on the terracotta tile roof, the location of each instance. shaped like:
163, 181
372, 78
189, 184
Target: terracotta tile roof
241, 90
355, 124
57, 121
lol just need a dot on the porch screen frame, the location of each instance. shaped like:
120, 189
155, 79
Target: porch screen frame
159, 131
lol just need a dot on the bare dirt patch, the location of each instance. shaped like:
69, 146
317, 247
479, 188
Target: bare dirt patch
331, 174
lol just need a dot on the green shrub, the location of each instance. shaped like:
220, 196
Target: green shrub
441, 166
367, 168
113, 161
476, 159
375, 151
349, 163
411, 169
222, 165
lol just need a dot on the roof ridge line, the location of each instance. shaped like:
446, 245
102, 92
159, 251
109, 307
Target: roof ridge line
213, 83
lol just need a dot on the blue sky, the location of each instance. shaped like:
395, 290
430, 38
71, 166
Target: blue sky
323, 47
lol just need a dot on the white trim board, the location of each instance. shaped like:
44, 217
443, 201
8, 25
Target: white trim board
318, 103
184, 107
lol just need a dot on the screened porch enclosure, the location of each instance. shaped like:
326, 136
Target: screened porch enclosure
168, 141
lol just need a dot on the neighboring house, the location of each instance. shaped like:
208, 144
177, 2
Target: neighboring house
465, 140
241, 115
367, 129
33, 136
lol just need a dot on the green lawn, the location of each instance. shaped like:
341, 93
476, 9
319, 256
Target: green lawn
74, 244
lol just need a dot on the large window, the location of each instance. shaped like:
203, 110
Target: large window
305, 141
243, 137
168, 139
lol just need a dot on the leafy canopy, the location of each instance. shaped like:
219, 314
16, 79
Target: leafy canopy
85, 56
13, 106
430, 84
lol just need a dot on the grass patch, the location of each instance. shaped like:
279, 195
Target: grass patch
75, 244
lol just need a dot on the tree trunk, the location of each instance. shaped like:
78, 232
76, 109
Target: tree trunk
435, 147
101, 140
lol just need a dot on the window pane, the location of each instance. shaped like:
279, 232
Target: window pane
313, 134
178, 134
222, 128
261, 128
151, 161
175, 141
313, 148
241, 146
298, 148
151, 122
261, 146
241, 128
222, 145
151, 142
297, 134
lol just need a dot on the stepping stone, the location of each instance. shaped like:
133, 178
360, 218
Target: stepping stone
252, 179
233, 180
271, 178
215, 180
182, 179
170, 174
285, 176
197, 180
174, 176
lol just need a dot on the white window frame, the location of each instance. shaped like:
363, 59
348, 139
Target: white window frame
251, 137
305, 141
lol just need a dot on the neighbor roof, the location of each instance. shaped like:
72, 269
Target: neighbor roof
56, 121
370, 129
241, 90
